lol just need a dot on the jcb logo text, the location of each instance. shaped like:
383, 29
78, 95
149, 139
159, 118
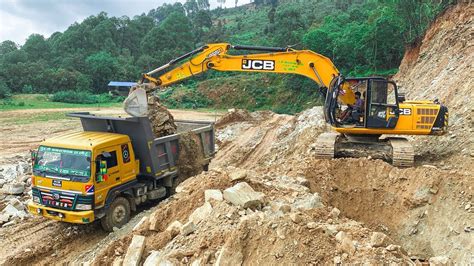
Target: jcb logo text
258, 64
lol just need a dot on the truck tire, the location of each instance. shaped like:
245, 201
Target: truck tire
117, 215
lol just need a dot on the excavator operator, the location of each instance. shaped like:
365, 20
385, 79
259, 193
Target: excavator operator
355, 111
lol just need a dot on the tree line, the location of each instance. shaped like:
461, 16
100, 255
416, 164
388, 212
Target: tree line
360, 36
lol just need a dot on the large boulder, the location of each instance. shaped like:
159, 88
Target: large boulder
242, 194
135, 251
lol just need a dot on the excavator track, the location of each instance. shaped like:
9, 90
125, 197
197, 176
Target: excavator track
403, 154
325, 145
398, 151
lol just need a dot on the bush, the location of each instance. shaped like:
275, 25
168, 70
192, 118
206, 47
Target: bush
83, 97
4, 90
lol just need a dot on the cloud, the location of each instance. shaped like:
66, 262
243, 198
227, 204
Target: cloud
21, 18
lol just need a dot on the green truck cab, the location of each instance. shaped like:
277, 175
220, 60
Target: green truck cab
108, 169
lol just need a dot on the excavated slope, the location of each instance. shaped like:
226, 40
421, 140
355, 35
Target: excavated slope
441, 67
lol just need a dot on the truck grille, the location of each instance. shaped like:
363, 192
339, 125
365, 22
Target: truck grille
61, 200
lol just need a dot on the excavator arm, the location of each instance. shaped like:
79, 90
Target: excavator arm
275, 60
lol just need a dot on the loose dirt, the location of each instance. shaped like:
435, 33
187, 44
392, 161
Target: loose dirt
162, 121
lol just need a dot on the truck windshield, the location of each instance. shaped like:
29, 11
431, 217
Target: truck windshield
68, 163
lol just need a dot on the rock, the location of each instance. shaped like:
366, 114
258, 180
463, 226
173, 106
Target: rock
312, 225
330, 229
9, 223
188, 228
310, 201
346, 243
154, 259
142, 221
201, 213
285, 208
9, 173
4, 218
335, 213
174, 228
228, 257
118, 261
337, 260
134, 252
238, 174
242, 194
214, 194
439, 260
340, 235
467, 207
13, 188
154, 223
17, 204
378, 239
296, 217
197, 262
10, 211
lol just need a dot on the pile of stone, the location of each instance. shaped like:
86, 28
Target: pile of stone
162, 121
15, 184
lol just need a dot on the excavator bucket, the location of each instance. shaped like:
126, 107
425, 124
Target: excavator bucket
136, 103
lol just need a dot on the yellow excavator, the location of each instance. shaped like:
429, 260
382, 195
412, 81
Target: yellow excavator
362, 110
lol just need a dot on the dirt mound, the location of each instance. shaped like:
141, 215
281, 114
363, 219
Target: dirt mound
441, 68
162, 121
237, 115
191, 156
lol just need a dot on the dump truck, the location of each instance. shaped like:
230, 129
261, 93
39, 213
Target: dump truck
105, 171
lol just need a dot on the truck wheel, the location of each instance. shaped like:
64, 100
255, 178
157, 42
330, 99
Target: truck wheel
117, 215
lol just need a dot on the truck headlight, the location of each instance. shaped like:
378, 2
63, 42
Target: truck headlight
83, 207
36, 199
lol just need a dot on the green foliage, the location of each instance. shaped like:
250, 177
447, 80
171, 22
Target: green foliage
81, 97
4, 90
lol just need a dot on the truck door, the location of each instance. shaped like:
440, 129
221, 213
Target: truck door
111, 179
382, 105
127, 158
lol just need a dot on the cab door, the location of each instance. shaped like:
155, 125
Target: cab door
382, 109
103, 183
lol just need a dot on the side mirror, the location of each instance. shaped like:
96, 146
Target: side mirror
34, 155
102, 173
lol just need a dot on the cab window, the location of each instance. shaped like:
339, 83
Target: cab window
111, 160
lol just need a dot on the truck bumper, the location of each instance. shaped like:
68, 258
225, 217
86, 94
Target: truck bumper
78, 217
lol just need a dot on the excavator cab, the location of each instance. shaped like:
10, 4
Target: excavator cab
376, 105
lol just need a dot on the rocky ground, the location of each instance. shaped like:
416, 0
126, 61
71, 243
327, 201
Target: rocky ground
267, 200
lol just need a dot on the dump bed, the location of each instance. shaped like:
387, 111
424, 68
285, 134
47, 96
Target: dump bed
158, 156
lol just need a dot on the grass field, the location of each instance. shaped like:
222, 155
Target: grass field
41, 101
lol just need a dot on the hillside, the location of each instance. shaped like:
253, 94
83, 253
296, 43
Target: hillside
441, 68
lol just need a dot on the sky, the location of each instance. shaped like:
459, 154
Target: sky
21, 18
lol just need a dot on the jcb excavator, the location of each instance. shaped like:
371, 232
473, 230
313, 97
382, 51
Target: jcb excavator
372, 105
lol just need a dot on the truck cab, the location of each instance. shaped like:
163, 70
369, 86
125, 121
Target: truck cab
73, 174
108, 169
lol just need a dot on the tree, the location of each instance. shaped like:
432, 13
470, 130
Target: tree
101, 67
36, 47
289, 26
4, 90
203, 4
191, 7
7, 47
